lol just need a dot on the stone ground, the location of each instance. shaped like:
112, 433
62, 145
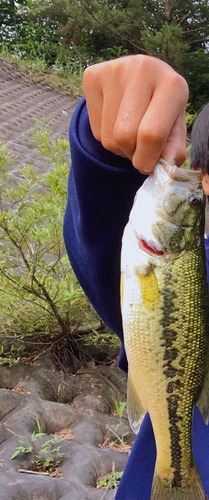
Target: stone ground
79, 407
22, 101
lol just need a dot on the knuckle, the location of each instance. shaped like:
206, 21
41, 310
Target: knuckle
152, 135
90, 76
144, 62
87, 76
180, 84
124, 135
110, 144
115, 70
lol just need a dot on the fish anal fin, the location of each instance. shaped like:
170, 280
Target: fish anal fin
203, 400
162, 491
135, 409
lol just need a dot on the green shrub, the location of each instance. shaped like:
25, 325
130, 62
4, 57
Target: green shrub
39, 293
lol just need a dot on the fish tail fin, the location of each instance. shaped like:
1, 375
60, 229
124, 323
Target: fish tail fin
162, 490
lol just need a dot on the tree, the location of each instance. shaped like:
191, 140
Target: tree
9, 12
94, 24
10, 20
88, 31
23, 33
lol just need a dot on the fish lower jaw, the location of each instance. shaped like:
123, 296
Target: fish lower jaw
161, 255
150, 248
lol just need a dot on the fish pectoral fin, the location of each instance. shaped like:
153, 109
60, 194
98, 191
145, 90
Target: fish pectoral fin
135, 409
203, 400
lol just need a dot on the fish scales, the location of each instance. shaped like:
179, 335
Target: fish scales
164, 304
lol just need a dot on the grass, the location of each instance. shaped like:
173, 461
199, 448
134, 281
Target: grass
66, 79
109, 481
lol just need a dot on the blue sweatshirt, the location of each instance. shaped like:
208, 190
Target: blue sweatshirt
101, 190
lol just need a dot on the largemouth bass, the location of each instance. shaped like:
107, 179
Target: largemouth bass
164, 305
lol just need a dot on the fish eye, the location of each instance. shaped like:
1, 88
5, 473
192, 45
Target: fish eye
194, 200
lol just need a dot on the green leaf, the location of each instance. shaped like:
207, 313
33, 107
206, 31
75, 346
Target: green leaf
45, 449
117, 406
22, 441
15, 454
33, 436
29, 449
40, 434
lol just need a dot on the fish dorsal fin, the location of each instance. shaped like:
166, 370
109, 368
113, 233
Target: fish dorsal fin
203, 400
135, 409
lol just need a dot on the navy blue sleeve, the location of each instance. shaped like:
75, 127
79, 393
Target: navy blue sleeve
100, 195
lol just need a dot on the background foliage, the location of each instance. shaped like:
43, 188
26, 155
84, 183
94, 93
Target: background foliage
74, 33
39, 294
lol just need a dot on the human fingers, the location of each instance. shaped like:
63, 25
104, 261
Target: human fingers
108, 85
103, 86
134, 103
93, 92
164, 113
112, 95
175, 151
117, 94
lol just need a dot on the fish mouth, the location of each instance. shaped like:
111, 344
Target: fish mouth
149, 248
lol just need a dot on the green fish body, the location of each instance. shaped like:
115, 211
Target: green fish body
164, 305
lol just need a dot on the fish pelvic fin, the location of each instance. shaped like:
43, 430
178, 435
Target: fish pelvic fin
135, 409
203, 400
162, 490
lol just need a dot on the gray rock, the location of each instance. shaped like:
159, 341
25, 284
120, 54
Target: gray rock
77, 407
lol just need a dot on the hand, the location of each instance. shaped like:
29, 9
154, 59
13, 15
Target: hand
136, 106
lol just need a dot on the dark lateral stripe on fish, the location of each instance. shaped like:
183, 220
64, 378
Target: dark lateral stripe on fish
175, 432
171, 353
175, 384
